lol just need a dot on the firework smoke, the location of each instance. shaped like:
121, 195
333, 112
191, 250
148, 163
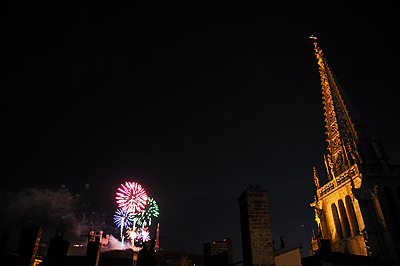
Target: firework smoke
51, 209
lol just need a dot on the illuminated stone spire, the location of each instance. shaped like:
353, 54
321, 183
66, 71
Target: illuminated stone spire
347, 142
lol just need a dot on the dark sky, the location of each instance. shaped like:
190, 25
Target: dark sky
193, 101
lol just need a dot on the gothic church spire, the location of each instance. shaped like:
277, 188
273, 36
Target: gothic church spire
347, 142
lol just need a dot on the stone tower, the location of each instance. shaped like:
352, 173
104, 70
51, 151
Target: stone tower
255, 226
358, 210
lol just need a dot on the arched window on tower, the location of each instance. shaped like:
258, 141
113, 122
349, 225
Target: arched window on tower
336, 220
344, 220
355, 230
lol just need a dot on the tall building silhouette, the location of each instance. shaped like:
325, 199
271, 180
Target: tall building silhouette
358, 210
255, 226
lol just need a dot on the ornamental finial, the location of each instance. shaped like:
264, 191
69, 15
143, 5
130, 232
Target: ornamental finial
316, 179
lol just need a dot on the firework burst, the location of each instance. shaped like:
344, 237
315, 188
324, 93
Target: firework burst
123, 218
138, 235
131, 196
144, 217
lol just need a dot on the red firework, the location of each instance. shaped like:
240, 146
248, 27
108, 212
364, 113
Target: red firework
131, 196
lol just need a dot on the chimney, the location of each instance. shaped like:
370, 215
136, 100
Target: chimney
28, 245
92, 250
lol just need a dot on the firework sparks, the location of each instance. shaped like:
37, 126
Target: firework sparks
144, 217
133, 234
138, 235
123, 218
131, 196
135, 213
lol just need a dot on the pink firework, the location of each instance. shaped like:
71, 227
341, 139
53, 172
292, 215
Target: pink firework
131, 196
139, 235
133, 234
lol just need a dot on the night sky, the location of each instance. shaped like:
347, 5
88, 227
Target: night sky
195, 102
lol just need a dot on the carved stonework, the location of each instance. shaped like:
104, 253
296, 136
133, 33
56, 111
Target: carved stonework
316, 179
375, 190
340, 129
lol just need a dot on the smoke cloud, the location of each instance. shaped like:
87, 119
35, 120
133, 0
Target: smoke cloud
115, 244
51, 209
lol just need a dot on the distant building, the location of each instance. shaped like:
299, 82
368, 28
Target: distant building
218, 253
358, 210
255, 226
